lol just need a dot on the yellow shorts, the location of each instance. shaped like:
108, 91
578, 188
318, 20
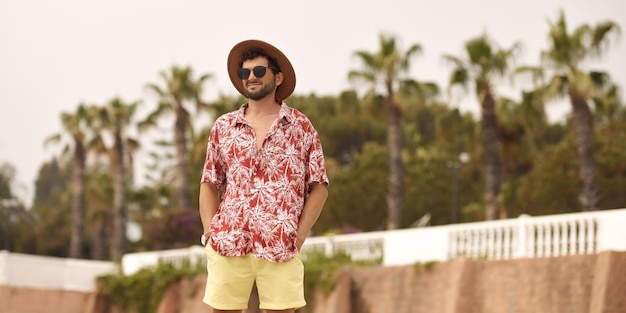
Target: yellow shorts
230, 280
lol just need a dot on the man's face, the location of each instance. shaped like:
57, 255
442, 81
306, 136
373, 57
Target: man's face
257, 88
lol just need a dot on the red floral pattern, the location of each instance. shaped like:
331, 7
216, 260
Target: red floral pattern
265, 190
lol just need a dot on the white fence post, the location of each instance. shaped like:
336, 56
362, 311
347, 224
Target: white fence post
4, 267
523, 236
611, 230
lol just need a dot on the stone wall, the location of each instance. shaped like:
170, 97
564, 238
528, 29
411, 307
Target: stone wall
29, 300
574, 284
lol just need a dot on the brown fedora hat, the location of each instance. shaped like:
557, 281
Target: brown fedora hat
284, 90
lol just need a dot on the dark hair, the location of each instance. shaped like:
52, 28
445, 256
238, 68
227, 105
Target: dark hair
258, 52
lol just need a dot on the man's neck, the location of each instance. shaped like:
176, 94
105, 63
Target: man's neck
265, 106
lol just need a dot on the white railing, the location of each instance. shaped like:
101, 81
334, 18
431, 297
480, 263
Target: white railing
360, 247
132, 262
522, 237
544, 236
526, 236
43, 272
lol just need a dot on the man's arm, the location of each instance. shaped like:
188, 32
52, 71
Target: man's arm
208, 203
312, 209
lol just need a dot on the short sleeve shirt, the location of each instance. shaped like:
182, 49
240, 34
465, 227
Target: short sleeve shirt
263, 190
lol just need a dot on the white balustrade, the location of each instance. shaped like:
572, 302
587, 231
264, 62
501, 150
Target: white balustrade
44, 272
522, 237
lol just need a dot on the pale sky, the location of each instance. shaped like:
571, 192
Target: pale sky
56, 54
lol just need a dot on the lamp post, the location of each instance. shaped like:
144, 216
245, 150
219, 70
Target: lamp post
456, 166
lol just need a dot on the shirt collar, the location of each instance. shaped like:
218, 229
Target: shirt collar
285, 114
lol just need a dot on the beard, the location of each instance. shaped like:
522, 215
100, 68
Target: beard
265, 91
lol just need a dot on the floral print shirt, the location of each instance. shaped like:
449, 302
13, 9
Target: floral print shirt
263, 191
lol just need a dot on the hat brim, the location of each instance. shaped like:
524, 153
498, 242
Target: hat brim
284, 90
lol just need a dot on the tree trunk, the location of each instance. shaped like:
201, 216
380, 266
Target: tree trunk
492, 154
98, 239
182, 179
395, 196
583, 131
79, 182
118, 242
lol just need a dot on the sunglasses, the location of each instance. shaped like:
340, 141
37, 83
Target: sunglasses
259, 71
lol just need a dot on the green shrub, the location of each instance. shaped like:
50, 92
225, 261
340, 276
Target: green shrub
142, 291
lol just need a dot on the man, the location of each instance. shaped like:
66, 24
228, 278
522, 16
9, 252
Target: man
266, 162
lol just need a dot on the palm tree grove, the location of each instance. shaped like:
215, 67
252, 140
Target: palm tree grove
395, 150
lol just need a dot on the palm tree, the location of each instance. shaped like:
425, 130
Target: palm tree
180, 90
608, 106
115, 118
385, 68
521, 127
76, 126
563, 59
484, 64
